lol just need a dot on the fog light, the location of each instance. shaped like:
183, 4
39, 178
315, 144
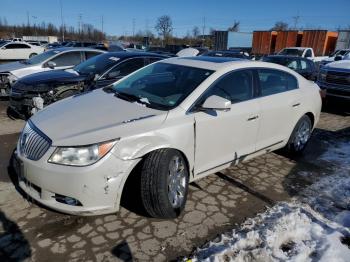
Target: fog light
67, 200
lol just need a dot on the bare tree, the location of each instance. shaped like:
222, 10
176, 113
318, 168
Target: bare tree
280, 26
234, 27
195, 31
164, 26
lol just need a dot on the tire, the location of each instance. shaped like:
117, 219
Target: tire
299, 137
163, 191
33, 54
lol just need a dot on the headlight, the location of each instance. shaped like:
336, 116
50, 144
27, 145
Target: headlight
81, 156
12, 78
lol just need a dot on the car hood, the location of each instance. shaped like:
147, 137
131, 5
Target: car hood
51, 77
343, 64
8, 67
95, 117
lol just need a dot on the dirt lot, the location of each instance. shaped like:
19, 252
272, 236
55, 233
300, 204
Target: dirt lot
215, 205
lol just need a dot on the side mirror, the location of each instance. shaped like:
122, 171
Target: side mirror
338, 58
217, 103
51, 64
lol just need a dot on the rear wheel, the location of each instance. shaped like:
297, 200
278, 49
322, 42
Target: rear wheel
164, 183
300, 136
33, 54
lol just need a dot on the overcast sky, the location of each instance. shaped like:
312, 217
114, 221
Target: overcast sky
120, 16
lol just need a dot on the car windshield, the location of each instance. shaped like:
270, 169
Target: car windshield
292, 52
41, 58
97, 64
161, 86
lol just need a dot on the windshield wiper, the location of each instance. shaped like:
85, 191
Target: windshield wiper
26, 62
130, 97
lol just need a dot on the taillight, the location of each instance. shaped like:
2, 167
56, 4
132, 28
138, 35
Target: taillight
323, 93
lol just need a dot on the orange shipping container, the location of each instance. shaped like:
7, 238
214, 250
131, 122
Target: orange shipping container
322, 41
264, 42
287, 39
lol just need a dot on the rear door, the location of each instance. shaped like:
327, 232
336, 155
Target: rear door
280, 104
224, 136
120, 70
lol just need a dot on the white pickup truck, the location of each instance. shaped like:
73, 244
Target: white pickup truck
306, 52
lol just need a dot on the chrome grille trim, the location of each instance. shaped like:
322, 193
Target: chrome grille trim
33, 144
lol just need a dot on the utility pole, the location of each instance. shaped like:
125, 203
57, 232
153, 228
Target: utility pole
133, 27
28, 22
62, 23
203, 31
296, 20
79, 25
102, 24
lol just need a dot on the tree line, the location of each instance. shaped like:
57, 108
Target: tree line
86, 32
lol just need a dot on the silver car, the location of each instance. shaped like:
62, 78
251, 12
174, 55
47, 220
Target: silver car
169, 123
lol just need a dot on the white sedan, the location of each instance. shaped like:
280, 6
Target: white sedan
19, 50
168, 124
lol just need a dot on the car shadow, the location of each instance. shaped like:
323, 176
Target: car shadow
13, 244
122, 251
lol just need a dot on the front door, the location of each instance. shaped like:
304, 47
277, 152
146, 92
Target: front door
223, 136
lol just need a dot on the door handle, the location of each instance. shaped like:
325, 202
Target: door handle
296, 105
253, 118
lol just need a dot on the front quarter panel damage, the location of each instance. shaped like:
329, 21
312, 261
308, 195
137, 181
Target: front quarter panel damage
175, 134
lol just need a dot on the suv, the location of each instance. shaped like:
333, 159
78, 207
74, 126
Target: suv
169, 123
334, 78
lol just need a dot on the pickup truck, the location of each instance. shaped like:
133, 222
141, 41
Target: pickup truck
337, 55
306, 52
334, 79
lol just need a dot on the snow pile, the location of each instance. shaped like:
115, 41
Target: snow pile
313, 227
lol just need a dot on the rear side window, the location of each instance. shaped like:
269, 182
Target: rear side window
236, 86
275, 81
67, 59
17, 46
91, 54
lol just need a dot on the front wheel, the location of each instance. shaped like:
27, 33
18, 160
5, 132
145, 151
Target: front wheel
31, 55
300, 136
164, 183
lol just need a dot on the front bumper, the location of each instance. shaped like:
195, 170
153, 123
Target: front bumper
97, 188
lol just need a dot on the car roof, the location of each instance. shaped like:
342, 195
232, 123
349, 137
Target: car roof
287, 57
206, 62
63, 49
129, 54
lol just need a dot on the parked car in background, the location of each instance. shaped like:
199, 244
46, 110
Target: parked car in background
80, 44
228, 53
174, 122
336, 56
19, 51
306, 52
96, 72
334, 78
61, 58
303, 66
35, 43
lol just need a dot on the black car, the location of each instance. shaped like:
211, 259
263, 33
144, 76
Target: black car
97, 72
303, 66
228, 53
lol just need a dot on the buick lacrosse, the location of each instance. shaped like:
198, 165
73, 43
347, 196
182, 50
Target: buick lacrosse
172, 122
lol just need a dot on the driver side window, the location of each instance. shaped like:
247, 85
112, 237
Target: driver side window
125, 68
236, 86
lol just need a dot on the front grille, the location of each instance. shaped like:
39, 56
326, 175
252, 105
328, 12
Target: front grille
33, 143
340, 78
